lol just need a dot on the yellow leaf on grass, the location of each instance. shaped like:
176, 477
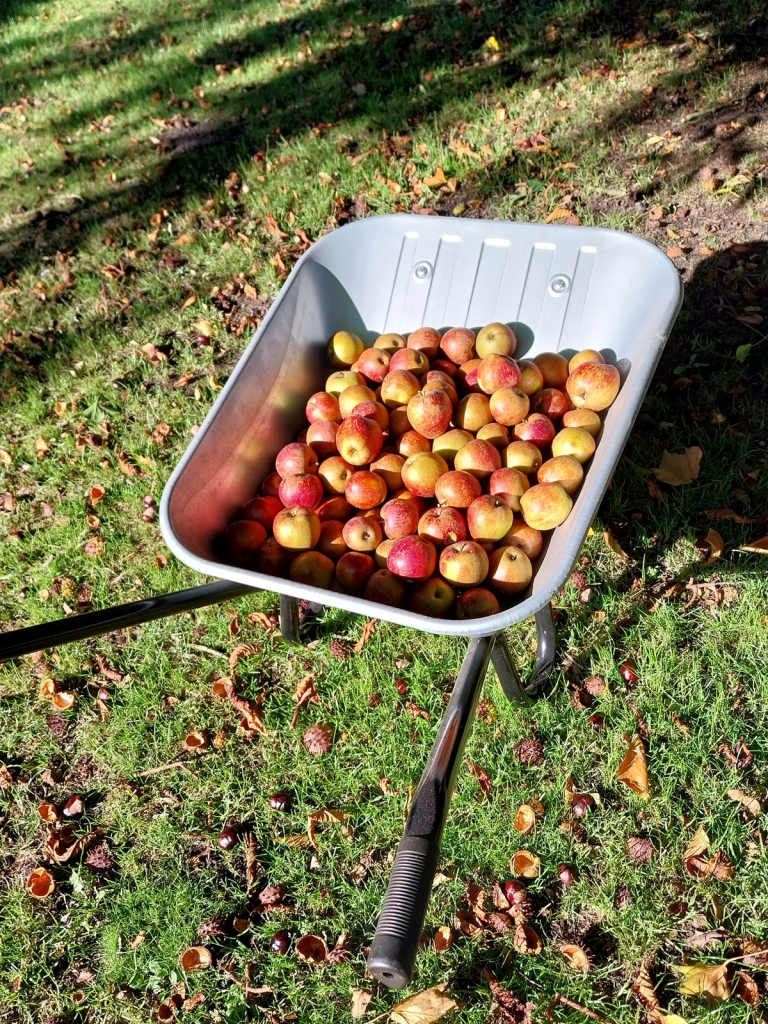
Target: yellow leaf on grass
698, 844
204, 327
189, 301
316, 818
438, 178
5, 458
425, 1007
750, 802
492, 43
633, 770
677, 469
559, 213
710, 980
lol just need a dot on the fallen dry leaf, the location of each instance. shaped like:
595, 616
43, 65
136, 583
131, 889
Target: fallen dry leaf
746, 988
425, 1007
645, 993
483, 779
415, 711
759, 546
316, 818
368, 630
710, 980
360, 1000
675, 252
633, 770
716, 546
698, 843
240, 652
189, 301
525, 864
468, 923
196, 958
750, 802
436, 179
678, 469
312, 949
186, 239
39, 884
94, 547
559, 213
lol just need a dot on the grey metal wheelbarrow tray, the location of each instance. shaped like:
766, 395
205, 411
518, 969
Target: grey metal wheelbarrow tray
562, 288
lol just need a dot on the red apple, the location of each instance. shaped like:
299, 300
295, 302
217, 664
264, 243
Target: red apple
436, 378
489, 517
362, 534
401, 518
464, 564
374, 411
442, 526
434, 597
411, 359
593, 386
341, 380
430, 412
554, 368
312, 569
262, 510
331, 542
412, 558
399, 387
296, 458
458, 345
344, 348
522, 455
359, 440
545, 506
457, 489
411, 443
496, 433
531, 377
270, 486
323, 406
336, 507
386, 588
390, 343
389, 466
509, 406
479, 458
243, 539
449, 443
564, 470
521, 535
374, 364
537, 428
354, 569
420, 473
467, 375
353, 396
321, 437
509, 484
476, 604
510, 571
551, 401
473, 412
381, 554
574, 441
297, 528
273, 559
399, 423
405, 495
365, 489
587, 355
496, 372
301, 489
426, 340
445, 366
584, 418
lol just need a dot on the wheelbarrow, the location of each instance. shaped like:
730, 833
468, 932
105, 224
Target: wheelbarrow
561, 289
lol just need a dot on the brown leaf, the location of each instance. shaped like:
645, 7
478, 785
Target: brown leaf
62, 845
483, 779
750, 802
436, 179
698, 843
263, 620
186, 239
716, 546
710, 980
746, 988
368, 630
727, 513
527, 941
6, 779
759, 546
718, 866
525, 819
633, 770
425, 1007
153, 353
525, 864
196, 958
295, 842
360, 1000
644, 992
39, 884
675, 252
41, 447
240, 652
312, 949
161, 431
676, 469
468, 923
443, 938
559, 213
315, 818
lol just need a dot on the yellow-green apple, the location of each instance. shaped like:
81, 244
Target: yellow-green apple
398, 421
390, 342
361, 534
536, 428
509, 406
359, 440
321, 437
479, 458
496, 339
243, 539
496, 372
365, 489
354, 569
301, 489
584, 418
575, 441
297, 529
426, 340
336, 507
262, 510
473, 412
323, 406
521, 455
496, 433
465, 564
411, 359
489, 517
554, 368
296, 458
381, 554
434, 597
521, 535
564, 470
374, 364
344, 348
401, 518
374, 411
510, 571
411, 443
331, 542
430, 412
412, 558
587, 355
341, 380
420, 473
458, 345
476, 604
389, 466
399, 387
531, 377
457, 489
545, 506
334, 473
270, 485
551, 401
593, 386
350, 397
443, 525
312, 569
386, 588
449, 443
274, 559
467, 375
509, 484
445, 366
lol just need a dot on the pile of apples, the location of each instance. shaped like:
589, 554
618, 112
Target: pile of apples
429, 469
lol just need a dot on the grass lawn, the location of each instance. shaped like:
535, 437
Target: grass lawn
164, 164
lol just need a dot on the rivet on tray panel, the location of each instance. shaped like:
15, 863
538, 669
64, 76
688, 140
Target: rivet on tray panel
422, 271
560, 284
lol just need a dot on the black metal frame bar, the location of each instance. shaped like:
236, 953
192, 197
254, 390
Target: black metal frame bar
398, 933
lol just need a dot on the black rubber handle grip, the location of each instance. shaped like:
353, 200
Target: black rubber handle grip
398, 934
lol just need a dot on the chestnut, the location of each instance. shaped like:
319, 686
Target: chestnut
280, 943
280, 801
227, 838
